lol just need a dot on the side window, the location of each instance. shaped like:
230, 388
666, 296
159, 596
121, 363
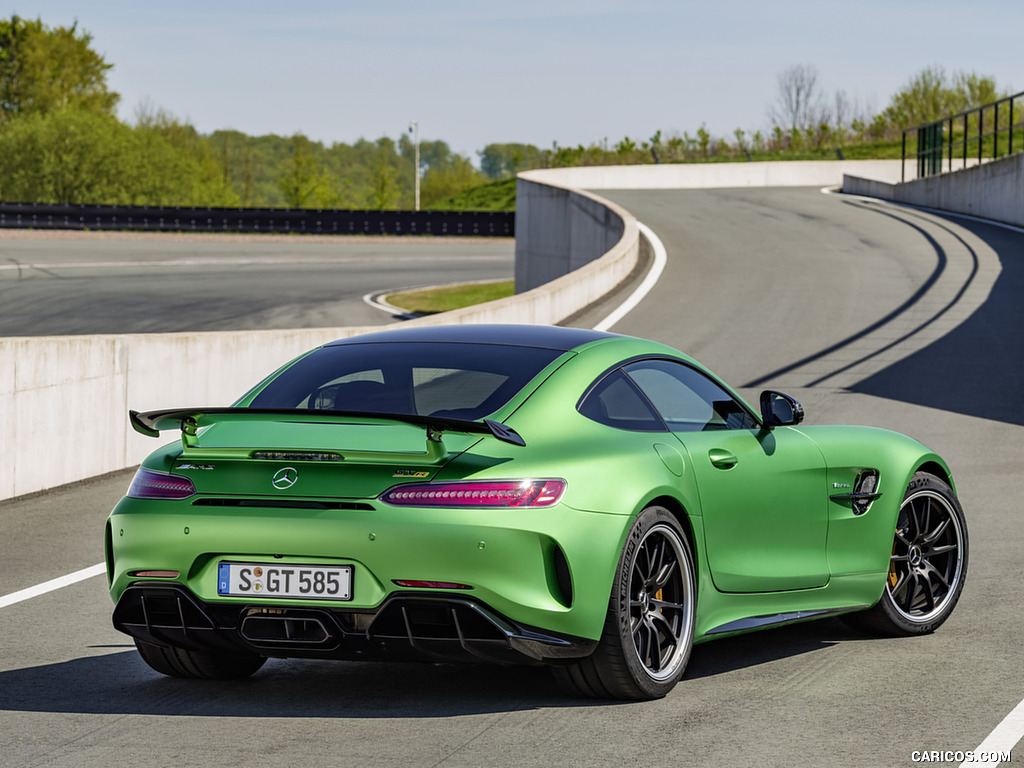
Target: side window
615, 401
688, 400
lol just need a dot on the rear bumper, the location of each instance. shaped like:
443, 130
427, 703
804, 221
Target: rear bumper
417, 626
550, 568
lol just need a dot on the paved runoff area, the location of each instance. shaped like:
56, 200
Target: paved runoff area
55, 283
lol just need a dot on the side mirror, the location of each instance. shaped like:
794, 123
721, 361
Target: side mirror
780, 410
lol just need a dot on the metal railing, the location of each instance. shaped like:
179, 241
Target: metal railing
968, 137
265, 220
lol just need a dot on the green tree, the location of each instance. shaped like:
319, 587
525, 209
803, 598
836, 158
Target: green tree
385, 190
43, 69
931, 95
303, 181
500, 161
458, 175
214, 184
75, 155
703, 140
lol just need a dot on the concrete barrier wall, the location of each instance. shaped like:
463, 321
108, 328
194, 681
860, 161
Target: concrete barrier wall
813, 173
64, 400
560, 229
993, 190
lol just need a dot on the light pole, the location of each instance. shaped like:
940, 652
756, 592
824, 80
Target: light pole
414, 128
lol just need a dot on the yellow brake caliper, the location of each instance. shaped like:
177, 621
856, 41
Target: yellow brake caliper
892, 565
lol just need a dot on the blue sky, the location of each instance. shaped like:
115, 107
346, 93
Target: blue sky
473, 73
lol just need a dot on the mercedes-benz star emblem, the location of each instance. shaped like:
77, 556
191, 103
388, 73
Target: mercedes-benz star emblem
285, 478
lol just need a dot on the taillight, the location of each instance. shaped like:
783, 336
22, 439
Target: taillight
472, 493
148, 484
431, 584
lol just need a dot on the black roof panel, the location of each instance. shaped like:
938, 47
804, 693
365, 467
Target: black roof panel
547, 336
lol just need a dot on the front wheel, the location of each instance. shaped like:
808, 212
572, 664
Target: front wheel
928, 564
648, 631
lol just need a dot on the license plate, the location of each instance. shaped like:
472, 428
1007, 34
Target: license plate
312, 582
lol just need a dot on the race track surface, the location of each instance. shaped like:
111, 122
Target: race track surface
867, 313
104, 283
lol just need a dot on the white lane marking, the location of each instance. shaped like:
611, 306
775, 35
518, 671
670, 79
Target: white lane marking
1005, 736
52, 584
376, 300
660, 259
226, 261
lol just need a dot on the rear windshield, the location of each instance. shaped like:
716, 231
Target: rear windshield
455, 380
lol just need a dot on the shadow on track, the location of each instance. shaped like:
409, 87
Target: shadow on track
978, 368
121, 683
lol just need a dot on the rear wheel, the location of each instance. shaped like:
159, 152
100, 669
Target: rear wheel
928, 564
180, 662
648, 631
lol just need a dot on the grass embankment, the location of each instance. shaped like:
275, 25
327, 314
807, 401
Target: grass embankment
494, 196
430, 301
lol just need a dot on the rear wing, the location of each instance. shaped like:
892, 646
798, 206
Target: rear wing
191, 420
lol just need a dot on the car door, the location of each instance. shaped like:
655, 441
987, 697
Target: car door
762, 493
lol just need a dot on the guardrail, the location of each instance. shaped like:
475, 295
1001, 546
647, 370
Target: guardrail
965, 136
266, 220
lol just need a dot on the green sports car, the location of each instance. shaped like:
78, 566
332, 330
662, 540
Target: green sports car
591, 502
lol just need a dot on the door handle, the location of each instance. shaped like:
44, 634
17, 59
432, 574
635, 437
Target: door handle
722, 459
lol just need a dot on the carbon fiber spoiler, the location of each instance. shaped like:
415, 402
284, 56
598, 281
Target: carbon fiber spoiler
189, 420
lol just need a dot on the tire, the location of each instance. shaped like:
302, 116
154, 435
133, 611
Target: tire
928, 565
648, 631
180, 662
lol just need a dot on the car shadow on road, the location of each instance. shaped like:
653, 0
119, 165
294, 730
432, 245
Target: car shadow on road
977, 368
121, 683
750, 650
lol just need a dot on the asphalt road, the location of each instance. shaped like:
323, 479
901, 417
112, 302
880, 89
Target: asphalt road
100, 283
867, 313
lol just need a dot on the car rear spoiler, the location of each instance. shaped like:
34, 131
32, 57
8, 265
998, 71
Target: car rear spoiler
191, 420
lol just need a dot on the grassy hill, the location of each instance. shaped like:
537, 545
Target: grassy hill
493, 196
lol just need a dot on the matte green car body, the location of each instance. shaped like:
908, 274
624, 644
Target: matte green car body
770, 544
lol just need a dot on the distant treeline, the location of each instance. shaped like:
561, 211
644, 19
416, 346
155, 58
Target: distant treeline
60, 142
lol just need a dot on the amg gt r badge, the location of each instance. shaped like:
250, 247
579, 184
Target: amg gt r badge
285, 478
410, 473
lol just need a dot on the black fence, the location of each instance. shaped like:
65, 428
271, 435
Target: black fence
983, 133
267, 220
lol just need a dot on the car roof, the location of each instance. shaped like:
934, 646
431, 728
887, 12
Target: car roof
547, 336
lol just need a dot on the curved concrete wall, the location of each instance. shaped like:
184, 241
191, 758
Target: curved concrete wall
992, 190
